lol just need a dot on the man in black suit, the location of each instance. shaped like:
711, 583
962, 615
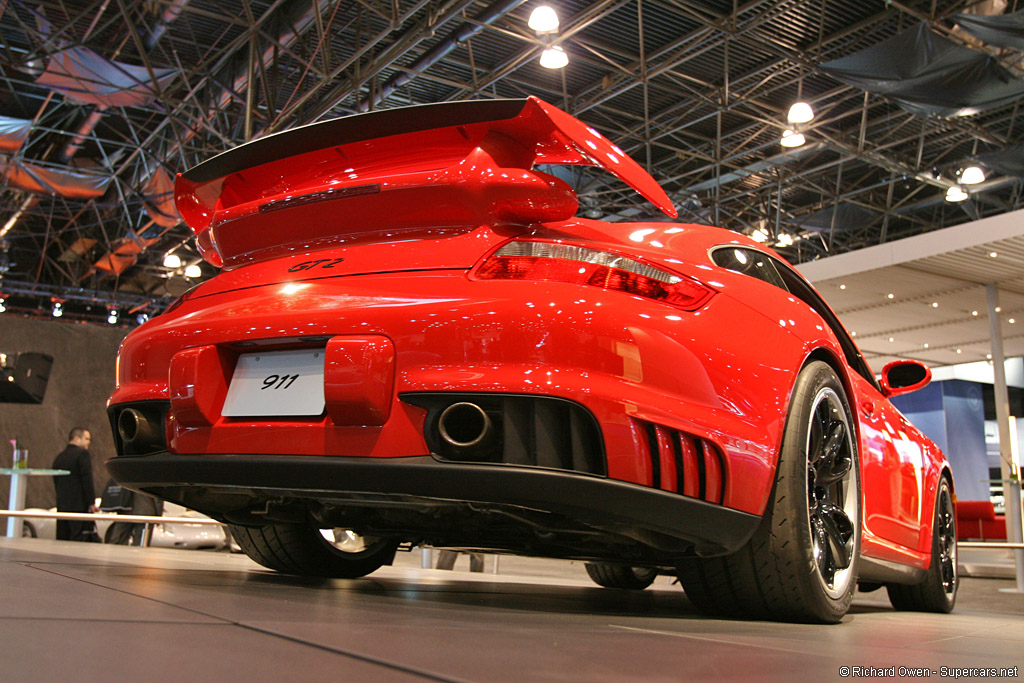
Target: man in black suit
75, 492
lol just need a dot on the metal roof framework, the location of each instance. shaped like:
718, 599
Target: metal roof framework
695, 90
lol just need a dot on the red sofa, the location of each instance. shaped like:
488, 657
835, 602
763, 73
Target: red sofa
977, 519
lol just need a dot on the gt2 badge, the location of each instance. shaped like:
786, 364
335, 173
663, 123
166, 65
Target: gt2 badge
320, 263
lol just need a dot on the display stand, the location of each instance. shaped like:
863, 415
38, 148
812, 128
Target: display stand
16, 501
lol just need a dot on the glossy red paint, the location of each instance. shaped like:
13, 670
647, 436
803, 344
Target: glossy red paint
369, 249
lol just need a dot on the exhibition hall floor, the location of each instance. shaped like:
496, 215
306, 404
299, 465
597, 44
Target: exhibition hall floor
82, 612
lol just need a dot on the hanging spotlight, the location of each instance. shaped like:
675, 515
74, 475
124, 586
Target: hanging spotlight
791, 138
759, 235
785, 240
956, 194
3, 305
172, 261
554, 58
972, 175
58, 309
800, 112
112, 318
141, 318
193, 271
543, 20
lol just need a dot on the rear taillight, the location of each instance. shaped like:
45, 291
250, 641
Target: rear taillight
560, 262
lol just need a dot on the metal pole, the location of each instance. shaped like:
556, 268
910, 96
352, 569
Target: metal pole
1011, 490
1012, 499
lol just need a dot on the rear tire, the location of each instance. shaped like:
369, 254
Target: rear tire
621, 575
302, 549
937, 593
801, 563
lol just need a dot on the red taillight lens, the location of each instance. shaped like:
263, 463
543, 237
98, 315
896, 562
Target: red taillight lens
558, 262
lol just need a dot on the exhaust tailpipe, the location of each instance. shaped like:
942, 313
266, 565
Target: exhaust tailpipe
138, 433
466, 427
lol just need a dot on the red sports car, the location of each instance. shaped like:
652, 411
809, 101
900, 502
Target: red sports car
414, 339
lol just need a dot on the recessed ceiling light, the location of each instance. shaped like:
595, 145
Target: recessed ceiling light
1012, 320
959, 351
974, 313
892, 339
935, 304
993, 254
853, 334
988, 356
926, 346
890, 295
999, 309
842, 286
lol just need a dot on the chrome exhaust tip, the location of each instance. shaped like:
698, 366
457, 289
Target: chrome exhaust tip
465, 426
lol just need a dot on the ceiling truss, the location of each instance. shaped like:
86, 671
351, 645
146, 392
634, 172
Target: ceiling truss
695, 90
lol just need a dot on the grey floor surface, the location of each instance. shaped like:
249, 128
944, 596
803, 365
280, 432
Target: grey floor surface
82, 612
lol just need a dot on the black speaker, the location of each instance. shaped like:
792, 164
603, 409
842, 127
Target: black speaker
23, 376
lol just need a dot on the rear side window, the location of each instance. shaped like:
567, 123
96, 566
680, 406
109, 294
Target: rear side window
748, 262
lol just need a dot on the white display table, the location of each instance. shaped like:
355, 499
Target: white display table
17, 497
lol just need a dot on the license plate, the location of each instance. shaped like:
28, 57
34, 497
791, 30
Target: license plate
278, 383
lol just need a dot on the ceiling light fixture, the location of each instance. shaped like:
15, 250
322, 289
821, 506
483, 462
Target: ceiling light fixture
956, 194
790, 138
58, 309
800, 112
972, 175
785, 240
554, 58
112, 317
3, 306
993, 254
543, 20
193, 270
172, 261
760, 235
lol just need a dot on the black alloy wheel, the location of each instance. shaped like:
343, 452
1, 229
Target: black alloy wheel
937, 593
801, 563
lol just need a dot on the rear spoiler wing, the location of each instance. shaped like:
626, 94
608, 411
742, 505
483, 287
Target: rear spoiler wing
549, 135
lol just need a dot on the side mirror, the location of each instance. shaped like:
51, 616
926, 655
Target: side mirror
904, 376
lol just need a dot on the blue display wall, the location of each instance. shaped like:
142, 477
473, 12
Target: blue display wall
952, 414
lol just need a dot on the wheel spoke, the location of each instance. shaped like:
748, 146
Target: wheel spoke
822, 553
832, 462
839, 533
